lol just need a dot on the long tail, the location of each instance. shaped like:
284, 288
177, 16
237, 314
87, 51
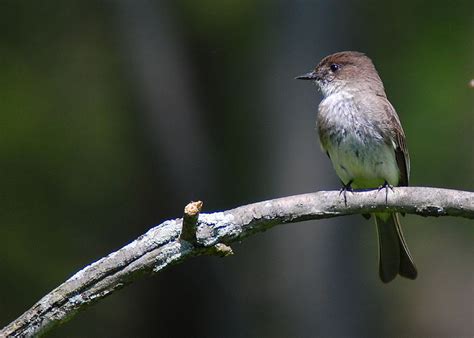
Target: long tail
394, 256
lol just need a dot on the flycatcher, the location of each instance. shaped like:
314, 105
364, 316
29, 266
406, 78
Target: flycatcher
361, 133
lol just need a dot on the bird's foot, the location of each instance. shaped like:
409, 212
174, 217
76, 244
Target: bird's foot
386, 186
345, 188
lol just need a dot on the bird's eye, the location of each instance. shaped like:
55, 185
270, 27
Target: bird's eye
334, 67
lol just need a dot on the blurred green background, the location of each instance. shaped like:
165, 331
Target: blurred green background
115, 114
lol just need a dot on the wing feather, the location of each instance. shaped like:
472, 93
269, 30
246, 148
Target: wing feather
397, 137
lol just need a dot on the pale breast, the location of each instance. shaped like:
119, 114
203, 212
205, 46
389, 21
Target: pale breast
354, 143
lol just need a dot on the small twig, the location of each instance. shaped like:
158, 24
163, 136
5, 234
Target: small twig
190, 218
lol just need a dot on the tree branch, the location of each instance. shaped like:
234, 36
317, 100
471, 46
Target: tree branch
162, 246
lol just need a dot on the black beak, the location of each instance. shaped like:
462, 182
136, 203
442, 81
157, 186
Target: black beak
308, 76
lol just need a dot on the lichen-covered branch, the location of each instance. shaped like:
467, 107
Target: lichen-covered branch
162, 246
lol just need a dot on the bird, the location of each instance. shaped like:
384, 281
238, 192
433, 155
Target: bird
361, 133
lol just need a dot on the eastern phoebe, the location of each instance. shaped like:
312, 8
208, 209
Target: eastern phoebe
362, 135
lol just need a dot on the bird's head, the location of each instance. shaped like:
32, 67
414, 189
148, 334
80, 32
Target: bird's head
345, 71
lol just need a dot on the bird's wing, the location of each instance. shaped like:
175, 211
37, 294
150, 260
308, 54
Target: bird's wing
391, 130
397, 137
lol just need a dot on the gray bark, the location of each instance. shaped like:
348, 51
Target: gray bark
161, 246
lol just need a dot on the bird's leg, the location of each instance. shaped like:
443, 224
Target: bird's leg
345, 188
387, 186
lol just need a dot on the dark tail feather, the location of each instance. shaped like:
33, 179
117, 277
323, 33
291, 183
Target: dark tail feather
407, 265
394, 257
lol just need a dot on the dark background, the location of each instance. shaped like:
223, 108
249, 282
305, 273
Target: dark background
115, 114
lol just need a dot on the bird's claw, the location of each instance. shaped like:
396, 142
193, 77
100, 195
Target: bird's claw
345, 188
386, 186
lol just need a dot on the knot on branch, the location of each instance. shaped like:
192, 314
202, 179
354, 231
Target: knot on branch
190, 218
222, 250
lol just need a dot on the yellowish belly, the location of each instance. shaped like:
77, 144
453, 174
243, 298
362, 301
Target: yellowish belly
365, 165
